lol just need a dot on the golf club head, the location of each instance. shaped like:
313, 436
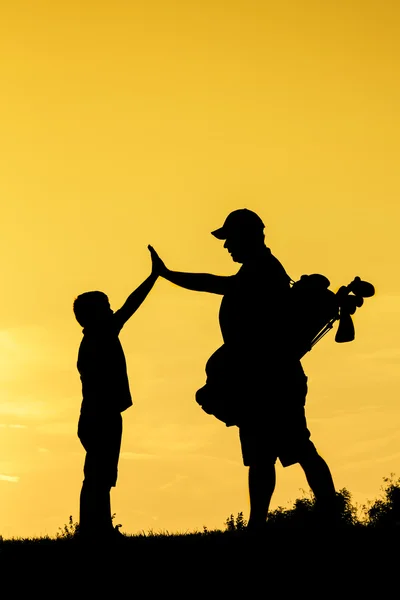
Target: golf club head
345, 331
361, 288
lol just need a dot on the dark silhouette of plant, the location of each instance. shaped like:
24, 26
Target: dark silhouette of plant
69, 531
304, 513
347, 511
385, 512
238, 524
118, 527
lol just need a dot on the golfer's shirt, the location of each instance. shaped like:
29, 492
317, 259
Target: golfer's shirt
252, 313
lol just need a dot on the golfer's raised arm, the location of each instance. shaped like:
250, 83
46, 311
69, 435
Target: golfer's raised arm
198, 282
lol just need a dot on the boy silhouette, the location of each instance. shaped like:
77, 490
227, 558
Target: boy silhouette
105, 395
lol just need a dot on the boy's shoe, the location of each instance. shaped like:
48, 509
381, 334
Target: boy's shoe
117, 536
100, 538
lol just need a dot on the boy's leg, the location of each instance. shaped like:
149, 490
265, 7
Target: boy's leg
95, 510
102, 443
85, 509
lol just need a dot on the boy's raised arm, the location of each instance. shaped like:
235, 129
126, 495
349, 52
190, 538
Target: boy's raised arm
135, 299
198, 282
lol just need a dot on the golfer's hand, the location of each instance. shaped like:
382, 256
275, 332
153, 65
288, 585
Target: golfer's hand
158, 266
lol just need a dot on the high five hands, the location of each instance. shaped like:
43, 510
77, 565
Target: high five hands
158, 266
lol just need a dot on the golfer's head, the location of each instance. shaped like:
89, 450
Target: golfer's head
243, 232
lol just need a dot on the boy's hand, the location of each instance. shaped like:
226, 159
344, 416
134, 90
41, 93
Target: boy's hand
158, 266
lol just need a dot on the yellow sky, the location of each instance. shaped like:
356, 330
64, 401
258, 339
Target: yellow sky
127, 123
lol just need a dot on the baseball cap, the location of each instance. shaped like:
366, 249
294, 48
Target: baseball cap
241, 221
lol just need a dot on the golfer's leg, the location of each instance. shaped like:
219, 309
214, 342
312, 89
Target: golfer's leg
321, 483
261, 487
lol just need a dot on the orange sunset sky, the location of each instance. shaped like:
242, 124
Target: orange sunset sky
125, 123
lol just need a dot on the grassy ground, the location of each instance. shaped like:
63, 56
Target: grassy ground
293, 557
283, 561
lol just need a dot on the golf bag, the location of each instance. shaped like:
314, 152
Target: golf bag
312, 311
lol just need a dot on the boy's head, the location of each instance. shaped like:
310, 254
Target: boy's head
91, 308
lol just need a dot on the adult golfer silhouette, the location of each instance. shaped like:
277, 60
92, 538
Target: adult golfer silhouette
259, 365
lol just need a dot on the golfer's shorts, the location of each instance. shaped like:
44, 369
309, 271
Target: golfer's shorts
101, 438
283, 436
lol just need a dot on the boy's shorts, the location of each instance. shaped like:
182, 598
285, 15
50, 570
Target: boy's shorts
101, 437
285, 437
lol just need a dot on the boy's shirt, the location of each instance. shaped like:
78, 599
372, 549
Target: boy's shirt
102, 368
